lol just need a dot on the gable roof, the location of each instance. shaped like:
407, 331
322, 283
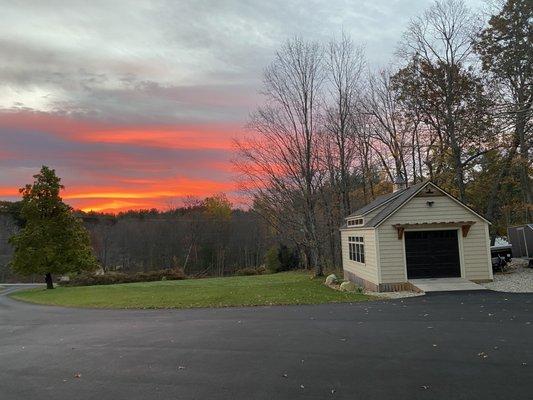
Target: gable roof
394, 201
391, 207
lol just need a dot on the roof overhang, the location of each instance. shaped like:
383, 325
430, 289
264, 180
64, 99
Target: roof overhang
464, 225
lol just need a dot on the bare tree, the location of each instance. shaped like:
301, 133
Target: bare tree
280, 162
344, 66
391, 129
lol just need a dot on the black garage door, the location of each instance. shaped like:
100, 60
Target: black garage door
432, 254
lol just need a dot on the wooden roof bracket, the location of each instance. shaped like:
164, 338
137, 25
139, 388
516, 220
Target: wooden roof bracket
400, 232
465, 228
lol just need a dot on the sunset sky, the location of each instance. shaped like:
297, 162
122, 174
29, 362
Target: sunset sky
135, 103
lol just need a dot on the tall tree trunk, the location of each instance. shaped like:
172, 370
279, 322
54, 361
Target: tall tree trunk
312, 239
451, 132
459, 172
49, 281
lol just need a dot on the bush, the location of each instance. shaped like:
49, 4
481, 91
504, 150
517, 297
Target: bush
272, 261
289, 258
111, 278
281, 258
250, 271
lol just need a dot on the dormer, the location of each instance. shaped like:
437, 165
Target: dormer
354, 222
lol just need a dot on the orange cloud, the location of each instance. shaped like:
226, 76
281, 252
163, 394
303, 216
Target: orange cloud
115, 206
6, 191
114, 200
151, 194
117, 195
182, 136
174, 138
110, 177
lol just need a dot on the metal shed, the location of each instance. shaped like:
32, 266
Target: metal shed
521, 237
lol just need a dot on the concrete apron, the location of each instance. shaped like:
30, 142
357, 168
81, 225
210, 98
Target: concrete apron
445, 284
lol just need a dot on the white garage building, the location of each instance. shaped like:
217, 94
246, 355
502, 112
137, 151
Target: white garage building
412, 233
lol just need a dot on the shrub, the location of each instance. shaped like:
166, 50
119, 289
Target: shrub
281, 258
111, 278
272, 261
288, 258
250, 271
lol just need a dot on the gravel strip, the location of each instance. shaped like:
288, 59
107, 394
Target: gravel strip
395, 295
383, 295
517, 278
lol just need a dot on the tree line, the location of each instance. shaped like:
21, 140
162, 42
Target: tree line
455, 108
206, 237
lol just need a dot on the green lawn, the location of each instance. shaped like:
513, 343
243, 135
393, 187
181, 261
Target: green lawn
282, 288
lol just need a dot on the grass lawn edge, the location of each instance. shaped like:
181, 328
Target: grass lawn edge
254, 291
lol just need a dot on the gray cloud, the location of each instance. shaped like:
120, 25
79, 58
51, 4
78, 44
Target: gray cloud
85, 163
170, 59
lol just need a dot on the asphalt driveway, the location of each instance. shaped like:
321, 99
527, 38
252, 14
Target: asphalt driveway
476, 345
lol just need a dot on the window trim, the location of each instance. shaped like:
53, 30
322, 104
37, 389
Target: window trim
356, 249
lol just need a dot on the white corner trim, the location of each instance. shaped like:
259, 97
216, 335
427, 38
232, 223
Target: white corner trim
460, 247
487, 241
378, 255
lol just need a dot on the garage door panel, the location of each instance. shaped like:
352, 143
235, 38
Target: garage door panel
432, 254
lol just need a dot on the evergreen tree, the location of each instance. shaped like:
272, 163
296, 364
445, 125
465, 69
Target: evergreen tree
53, 240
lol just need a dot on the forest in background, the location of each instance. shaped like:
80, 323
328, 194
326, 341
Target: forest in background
454, 107
204, 238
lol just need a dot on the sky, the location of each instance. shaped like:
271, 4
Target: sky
135, 103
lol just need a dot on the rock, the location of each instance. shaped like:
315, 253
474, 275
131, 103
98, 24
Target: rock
348, 286
331, 279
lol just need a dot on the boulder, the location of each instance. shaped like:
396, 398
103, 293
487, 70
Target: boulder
348, 286
331, 279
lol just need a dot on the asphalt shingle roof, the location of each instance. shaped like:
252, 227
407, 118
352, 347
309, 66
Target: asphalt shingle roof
392, 201
394, 204
376, 203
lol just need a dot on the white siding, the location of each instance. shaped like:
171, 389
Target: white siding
368, 270
475, 254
